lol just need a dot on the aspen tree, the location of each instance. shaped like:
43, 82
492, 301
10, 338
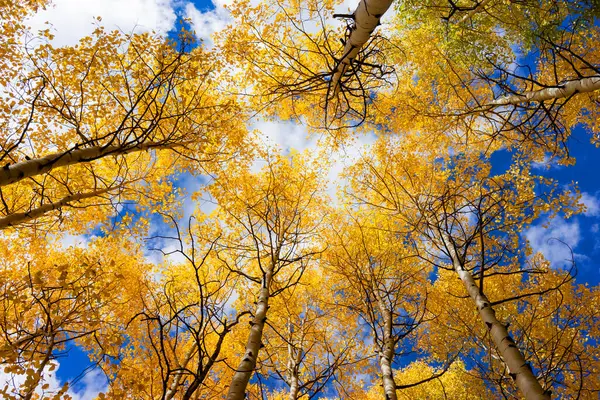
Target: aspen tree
424, 251
385, 284
567, 89
366, 18
59, 300
274, 217
298, 62
522, 75
183, 324
19, 218
435, 201
450, 68
310, 344
548, 331
136, 101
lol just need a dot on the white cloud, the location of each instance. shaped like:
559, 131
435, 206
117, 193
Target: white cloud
283, 136
191, 184
345, 157
591, 203
92, 383
546, 164
547, 240
74, 19
67, 240
160, 249
287, 136
171, 252
15, 381
206, 23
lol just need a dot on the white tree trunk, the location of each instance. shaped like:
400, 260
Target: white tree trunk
294, 381
239, 382
366, 18
19, 218
386, 356
12, 173
172, 391
294, 360
567, 89
386, 353
518, 367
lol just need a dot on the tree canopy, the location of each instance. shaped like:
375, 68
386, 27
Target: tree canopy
150, 226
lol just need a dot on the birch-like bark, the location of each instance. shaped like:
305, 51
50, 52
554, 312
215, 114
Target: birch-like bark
584, 85
12, 173
386, 353
294, 388
239, 382
294, 359
179, 374
518, 368
366, 18
19, 218
294, 364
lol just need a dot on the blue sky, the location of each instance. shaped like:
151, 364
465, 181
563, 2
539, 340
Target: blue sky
204, 5
580, 231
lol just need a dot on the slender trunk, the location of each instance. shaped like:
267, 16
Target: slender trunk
179, 374
19, 218
366, 18
294, 359
386, 353
239, 382
584, 85
12, 173
294, 388
519, 369
294, 381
